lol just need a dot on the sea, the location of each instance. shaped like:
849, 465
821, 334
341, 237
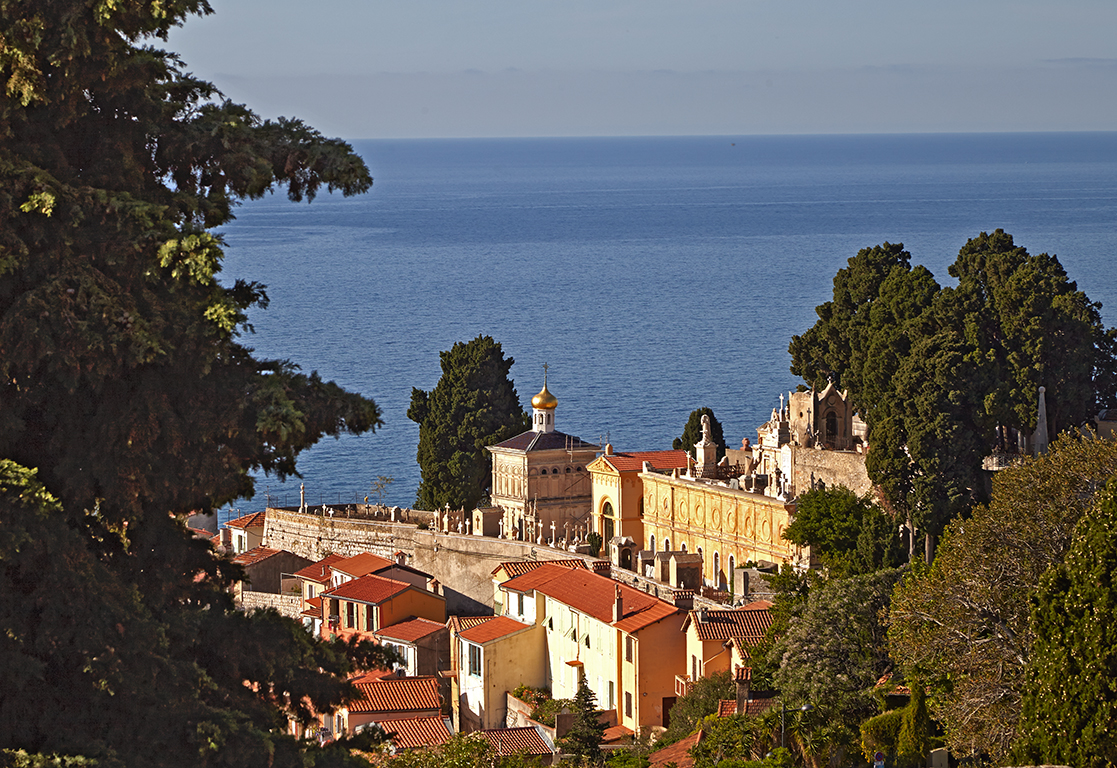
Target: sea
652, 275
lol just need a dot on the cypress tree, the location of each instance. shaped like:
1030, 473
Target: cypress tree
692, 433
587, 731
474, 405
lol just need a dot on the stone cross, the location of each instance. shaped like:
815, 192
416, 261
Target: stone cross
552, 533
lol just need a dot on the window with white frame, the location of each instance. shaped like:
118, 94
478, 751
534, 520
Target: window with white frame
474, 660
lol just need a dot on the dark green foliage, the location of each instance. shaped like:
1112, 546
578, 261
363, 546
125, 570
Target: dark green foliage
128, 400
474, 405
963, 624
850, 535
736, 741
880, 733
934, 371
834, 651
913, 742
1070, 699
692, 433
586, 732
700, 701
593, 538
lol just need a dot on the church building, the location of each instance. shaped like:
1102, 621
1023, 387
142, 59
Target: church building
540, 478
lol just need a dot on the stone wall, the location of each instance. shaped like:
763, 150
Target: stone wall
832, 467
462, 564
288, 605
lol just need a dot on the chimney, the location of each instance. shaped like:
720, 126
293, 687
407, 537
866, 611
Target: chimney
702, 615
401, 557
618, 605
433, 585
744, 684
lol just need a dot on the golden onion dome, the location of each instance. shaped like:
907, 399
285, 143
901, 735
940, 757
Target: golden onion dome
544, 400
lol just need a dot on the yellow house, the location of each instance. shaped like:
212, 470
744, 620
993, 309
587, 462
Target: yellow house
512, 568
627, 644
618, 491
712, 635
491, 656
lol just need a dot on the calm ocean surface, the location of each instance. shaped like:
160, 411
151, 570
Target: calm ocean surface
654, 275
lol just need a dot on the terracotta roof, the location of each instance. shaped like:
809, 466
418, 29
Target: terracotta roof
410, 630
727, 707
678, 753
257, 555
517, 741
315, 609
371, 589
594, 595
417, 732
760, 706
616, 733
361, 564
254, 520
896, 689
320, 571
546, 441
633, 461
520, 567
748, 623
397, 696
373, 675
493, 629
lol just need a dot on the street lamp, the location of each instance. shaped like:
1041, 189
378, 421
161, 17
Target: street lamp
783, 717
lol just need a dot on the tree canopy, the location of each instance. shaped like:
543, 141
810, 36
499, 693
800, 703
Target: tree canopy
963, 624
692, 433
127, 399
474, 405
1070, 680
936, 371
586, 729
850, 535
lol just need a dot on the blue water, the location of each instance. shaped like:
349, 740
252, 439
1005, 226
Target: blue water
654, 275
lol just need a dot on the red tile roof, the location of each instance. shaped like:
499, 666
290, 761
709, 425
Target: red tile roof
594, 595
458, 623
315, 609
254, 520
373, 675
253, 556
361, 564
493, 629
759, 706
747, 624
370, 589
727, 707
320, 571
410, 630
520, 567
678, 753
517, 741
394, 698
616, 733
633, 461
417, 732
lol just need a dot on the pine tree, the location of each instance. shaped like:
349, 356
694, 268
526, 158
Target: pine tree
587, 731
474, 405
127, 399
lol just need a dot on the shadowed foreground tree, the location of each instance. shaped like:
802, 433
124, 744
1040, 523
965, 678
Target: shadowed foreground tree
127, 401
586, 733
473, 405
963, 624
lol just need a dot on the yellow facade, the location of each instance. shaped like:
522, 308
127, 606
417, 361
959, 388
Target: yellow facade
616, 502
728, 527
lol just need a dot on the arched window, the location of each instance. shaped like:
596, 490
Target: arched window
554, 470
651, 543
667, 545
684, 546
543, 471
568, 470
831, 425
718, 581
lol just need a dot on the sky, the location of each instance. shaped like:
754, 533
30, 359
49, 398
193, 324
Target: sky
364, 69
